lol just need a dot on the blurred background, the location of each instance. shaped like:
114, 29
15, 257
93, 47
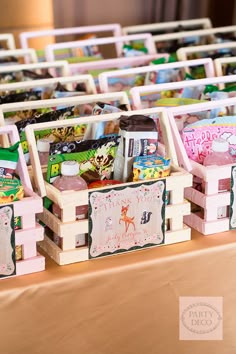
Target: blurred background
24, 15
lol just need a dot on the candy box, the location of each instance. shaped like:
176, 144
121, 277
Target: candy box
139, 137
147, 167
10, 190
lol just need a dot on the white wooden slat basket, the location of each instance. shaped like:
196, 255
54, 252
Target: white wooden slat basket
68, 227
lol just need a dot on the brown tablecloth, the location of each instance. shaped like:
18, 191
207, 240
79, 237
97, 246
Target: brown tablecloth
126, 304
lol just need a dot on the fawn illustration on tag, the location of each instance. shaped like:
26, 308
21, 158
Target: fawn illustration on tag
126, 218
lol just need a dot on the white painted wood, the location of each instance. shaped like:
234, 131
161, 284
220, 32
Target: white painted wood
171, 25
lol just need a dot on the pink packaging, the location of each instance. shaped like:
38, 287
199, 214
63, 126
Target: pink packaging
197, 137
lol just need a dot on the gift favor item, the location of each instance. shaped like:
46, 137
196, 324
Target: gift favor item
147, 167
10, 190
23, 75
106, 128
220, 156
134, 50
46, 117
8, 160
173, 102
31, 75
70, 180
43, 146
21, 96
8, 60
197, 137
162, 76
95, 157
51, 134
138, 138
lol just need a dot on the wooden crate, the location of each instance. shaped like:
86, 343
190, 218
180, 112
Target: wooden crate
205, 221
27, 208
68, 227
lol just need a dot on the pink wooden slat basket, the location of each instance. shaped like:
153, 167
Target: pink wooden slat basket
26, 209
206, 222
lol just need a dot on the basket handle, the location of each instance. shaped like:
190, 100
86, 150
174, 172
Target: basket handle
137, 91
104, 77
218, 66
116, 63
171, 25
197, 33
60, 64
183, 159
182, 53
28, 54
86, 79
9, 38
30, 129
13, 135
49, 49
25, 36
67, 102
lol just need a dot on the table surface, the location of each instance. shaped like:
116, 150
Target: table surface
124, 304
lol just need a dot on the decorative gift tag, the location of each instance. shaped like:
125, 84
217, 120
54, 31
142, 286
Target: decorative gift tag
232, 214
7, 242
126, 218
